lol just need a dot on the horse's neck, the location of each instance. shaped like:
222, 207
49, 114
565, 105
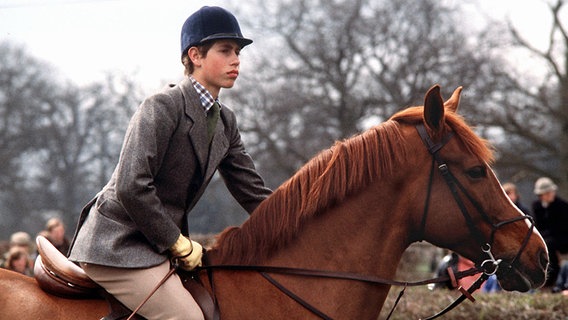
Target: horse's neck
361, 236
354, 236
365, 234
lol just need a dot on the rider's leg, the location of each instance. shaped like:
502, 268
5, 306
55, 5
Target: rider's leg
131, 286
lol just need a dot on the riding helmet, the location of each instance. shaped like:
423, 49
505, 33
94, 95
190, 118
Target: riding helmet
210, 23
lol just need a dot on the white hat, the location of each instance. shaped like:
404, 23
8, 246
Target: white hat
20, 238
544, 185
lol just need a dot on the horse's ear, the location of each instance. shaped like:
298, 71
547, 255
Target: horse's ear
434, 108
453, 102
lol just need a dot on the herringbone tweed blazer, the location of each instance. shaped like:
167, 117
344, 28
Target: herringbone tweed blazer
164, 167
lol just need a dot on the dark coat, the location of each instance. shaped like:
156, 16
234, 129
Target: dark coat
552, 223
164, 167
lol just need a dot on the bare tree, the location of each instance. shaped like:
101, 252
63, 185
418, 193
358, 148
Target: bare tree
529, 113
326, 70
59, 143
81, 138
329, 69
24, 88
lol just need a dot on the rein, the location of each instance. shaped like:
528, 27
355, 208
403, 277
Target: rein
266, 270
340, 275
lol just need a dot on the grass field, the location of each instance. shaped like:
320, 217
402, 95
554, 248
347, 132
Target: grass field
420, 303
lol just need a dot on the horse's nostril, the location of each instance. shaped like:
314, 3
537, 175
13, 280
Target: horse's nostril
543, 259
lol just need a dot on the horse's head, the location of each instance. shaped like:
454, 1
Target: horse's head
466, 209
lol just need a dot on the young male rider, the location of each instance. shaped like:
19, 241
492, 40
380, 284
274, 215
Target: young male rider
175, 142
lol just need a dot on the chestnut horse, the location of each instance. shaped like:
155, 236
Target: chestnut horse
354, 208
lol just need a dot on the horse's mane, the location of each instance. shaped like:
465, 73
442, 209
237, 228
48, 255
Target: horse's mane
327, 179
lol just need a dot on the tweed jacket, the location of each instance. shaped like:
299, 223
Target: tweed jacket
164, 167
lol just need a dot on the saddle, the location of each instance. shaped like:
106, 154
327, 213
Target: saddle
61, 277
58, 276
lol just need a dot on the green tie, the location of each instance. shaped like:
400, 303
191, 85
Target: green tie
212, 117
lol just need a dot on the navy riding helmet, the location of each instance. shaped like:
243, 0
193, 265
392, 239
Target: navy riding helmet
210, 23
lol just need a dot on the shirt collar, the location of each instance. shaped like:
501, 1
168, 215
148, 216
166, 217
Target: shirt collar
205, 96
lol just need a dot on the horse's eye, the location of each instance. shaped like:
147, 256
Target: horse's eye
476, 172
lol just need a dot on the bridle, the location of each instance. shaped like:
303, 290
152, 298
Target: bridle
456, 187
491, 265
487, 268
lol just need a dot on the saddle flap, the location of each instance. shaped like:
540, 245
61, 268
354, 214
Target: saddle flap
58, 265
203, 297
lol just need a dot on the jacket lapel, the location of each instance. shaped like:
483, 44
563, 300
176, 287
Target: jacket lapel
198, 131
208, 160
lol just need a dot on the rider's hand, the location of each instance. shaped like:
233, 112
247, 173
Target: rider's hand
187, 252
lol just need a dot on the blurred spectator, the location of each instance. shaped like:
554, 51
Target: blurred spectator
20, 242
20, 239
18, 261
561, 284
551, 219
491, 285
449, 261
55, 233
4, 248
513, 193
456, 263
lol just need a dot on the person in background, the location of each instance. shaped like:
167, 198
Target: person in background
513, 193
18, 261
449, 261
456, 263
551, 219
491, 285
175, 142
561, 284
55, 233
21, 242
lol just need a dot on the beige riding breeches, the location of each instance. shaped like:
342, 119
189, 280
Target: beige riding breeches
131, 286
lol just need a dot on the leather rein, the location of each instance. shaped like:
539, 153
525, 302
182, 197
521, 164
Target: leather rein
487, 268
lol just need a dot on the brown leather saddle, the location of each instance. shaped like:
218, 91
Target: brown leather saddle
56, 275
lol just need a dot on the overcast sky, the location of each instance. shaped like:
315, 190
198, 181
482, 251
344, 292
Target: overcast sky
82, 39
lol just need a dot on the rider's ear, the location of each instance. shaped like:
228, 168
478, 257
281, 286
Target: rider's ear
434, 108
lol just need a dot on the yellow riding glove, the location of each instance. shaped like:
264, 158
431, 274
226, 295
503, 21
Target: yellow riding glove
187, 252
